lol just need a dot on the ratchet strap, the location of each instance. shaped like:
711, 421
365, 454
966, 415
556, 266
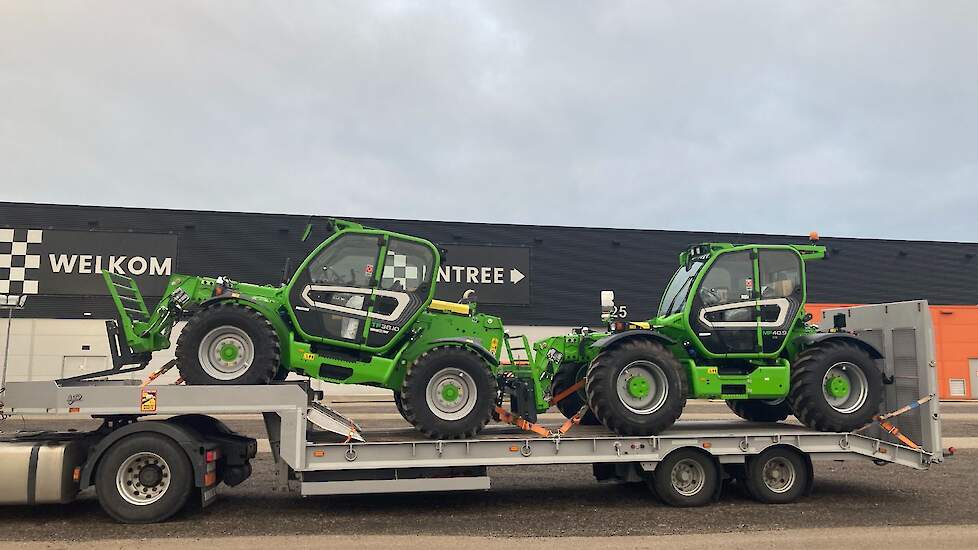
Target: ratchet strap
162, 370
555, 399
888, 427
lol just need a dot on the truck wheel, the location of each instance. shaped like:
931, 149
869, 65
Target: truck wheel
143, 478
686, 478
567, 375
835, 387
228, 344
758, 410
777, 476
448, 393
636, 388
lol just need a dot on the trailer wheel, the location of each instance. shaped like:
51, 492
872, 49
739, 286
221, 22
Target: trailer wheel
228, 344
567, 375
759, 410
143, 478
686, 478
835, 387
778, 475
636, 387
448, 393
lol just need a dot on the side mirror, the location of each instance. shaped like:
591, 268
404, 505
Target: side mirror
607, 301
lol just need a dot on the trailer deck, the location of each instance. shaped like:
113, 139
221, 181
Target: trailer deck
318, 452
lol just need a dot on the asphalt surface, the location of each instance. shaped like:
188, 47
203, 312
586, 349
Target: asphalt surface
539, 501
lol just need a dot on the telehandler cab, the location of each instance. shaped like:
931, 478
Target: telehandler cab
731, 325
358, 310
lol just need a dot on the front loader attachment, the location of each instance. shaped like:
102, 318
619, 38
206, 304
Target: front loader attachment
139, 332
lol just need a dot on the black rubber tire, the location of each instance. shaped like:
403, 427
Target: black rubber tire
267, 355
603, 397
660, 481
399, 403
176, 495
566, 376
806, 398
759, 490
281, 374
757, 410
414, 404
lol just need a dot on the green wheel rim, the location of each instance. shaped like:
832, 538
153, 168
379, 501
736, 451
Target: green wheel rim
845, 387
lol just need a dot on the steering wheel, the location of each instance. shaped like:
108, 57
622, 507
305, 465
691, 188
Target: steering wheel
711, 296
332, 276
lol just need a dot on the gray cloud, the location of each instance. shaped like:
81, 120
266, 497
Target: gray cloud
855, 119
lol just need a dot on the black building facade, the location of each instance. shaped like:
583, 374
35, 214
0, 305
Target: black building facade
543, 275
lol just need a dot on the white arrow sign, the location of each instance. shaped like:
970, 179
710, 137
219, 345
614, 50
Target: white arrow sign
478, 275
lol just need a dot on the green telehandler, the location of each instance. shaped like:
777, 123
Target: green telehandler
358, 310
731, 325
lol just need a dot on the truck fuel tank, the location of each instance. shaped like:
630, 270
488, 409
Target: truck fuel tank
36, 472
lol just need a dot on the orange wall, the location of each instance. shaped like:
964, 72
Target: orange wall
955, 340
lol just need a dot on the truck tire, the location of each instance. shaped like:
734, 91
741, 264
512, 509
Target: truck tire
835, 387
567, 375
759, 410
448, 393
144, 478
778, 475
228, 344
636, 387
686, 478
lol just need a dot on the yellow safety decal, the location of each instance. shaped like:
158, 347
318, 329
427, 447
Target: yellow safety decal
493, 345
308, 356
712, 370
147, 401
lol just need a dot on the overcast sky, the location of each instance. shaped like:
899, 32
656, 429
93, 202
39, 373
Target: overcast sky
854, 119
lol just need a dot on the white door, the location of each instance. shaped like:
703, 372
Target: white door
973, 368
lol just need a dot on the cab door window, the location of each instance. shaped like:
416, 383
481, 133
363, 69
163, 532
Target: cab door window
332, 296
782, 295
405, 285
724, 311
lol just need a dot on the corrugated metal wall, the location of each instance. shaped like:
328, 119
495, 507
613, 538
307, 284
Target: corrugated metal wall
569, 265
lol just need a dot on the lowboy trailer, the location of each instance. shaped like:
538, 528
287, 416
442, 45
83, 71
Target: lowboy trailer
162, 447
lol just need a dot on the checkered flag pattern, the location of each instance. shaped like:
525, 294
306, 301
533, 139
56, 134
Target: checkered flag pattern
397, 270
17, 266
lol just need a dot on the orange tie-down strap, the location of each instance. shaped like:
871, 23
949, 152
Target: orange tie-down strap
894, 431
555, 399
526, 425
521, 423
169, 365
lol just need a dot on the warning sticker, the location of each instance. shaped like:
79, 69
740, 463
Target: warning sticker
147, 401
749, 284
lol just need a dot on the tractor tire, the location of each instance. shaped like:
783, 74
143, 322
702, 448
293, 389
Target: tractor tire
448, 393
567, 375
399, 403
144, 478
835, 387
636, 387
228, 344
759, 410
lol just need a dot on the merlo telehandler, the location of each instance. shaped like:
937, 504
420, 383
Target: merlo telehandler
358, 310
731, 325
